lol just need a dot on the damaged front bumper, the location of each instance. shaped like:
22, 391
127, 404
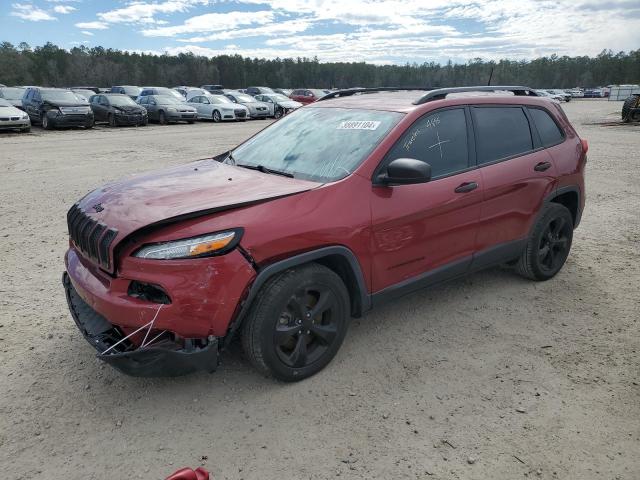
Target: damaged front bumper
165, 356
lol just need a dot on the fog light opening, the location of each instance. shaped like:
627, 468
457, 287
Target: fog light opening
148, 292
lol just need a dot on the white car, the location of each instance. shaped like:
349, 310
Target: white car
218, 108
279, 105
189, 92
12, 118
555, 98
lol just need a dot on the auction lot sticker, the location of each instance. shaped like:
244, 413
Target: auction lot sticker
358, 125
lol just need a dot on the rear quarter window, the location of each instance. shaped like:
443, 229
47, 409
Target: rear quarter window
550, 133
501, 132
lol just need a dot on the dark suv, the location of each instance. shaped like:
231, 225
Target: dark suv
334, 209
56, 107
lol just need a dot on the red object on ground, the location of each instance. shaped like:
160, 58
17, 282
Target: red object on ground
190, 474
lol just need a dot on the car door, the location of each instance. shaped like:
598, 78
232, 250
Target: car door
197, 103
426, 232
99, 107
516, 172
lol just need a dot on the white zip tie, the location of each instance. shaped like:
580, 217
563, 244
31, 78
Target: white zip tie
150, 324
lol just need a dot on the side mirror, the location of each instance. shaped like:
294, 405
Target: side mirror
406, 171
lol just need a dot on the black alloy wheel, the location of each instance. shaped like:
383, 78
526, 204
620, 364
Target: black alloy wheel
306, 327
46, 123
548, 245
297, 322
112, 120
554, 244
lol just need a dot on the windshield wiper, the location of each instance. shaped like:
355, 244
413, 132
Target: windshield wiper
263, 169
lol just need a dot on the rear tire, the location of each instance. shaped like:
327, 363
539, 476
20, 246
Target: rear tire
548, 245
629, 103
297, 323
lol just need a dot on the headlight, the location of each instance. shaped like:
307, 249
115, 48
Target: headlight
194, 247
24, 116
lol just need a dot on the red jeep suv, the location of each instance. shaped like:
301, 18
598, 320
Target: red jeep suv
345, 204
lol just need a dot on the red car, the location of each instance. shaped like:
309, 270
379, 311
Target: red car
305, 95
342, 205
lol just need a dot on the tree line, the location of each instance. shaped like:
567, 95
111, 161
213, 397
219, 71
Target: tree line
50, 65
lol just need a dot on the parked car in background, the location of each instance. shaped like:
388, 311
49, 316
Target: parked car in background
12, 118
83, 93
256, 109
167, 109
593, 93
188, 92
283, 91
117, 109
161, 91
576, 93
13, 95
214, 89
253, 91
56, 107
2, 85
279, 105
545, 94
562, 93
131, 90
306, 95
218, 108
79, 87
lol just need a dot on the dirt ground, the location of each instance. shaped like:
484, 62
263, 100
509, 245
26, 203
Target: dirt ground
490, 377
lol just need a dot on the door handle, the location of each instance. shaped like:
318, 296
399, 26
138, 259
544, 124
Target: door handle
466, 187
542, 166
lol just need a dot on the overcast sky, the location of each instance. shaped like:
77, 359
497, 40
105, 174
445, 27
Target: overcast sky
378, 31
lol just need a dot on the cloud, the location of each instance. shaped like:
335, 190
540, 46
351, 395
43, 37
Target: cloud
212, 22
87, 32
382, 31
27, 11
92, 25
63, 9
145, 12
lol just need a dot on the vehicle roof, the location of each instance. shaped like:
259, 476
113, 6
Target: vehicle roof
402, 100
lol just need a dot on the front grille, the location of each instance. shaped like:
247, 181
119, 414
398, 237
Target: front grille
240, 113
91, 237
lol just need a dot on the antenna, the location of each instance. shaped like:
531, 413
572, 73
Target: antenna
490, 77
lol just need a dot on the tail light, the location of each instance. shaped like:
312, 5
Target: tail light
585, 146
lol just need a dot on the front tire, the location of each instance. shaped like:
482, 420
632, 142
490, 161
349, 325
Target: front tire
278, 113
217, 118
297, 323
162, 118
628, 104
46, 123
548, 245
112, 120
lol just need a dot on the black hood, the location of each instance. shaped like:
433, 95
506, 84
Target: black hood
127, 108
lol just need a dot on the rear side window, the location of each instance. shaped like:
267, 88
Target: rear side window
440, 139
550, 133
501, 132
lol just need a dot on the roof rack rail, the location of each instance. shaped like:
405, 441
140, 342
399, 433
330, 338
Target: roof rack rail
352, 91
442, 93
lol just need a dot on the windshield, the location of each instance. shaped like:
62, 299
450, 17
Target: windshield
123, 101
132, 90
319, 93
244, 98
218, 99
278, 98
59, 96
167, 100
12, 93
317, 144
169, 91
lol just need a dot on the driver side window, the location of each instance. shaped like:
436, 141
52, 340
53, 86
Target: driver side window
439, 139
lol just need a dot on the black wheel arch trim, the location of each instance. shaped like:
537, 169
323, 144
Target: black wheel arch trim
272, 269
568, 189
